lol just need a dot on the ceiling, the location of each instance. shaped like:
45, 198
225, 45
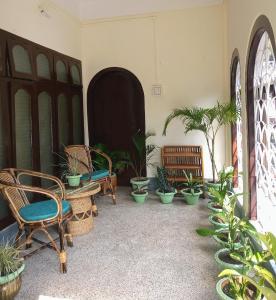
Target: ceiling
97, 9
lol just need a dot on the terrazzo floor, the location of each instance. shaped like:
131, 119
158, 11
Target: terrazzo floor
135, 251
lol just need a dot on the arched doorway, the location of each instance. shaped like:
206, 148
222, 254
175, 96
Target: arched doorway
116, 111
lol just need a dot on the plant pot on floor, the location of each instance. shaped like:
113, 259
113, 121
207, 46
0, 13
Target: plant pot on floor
139, 196
73, 180
214, 206
217, 222
222, 288
223, 241
214, 185
166, 198
225, 261
11, 284
191, 198
138, 182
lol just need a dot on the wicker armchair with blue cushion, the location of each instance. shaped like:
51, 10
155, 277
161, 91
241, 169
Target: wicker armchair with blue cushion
84, 154
37, 216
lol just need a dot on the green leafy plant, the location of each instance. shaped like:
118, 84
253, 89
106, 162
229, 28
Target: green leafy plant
162, 179
9, 259
256, 274
192, 185
208, 121
143, 153
237, 228
119, 159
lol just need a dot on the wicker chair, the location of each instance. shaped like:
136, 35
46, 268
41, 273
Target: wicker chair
85, 167
37, 216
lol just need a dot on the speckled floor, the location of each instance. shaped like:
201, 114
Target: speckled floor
135, 251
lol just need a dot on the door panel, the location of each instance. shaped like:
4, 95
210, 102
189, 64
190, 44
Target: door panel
115, 111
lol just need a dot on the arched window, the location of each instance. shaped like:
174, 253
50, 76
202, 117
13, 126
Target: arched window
237, 127
261, 106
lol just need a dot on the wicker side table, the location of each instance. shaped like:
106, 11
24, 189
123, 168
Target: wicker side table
79, 198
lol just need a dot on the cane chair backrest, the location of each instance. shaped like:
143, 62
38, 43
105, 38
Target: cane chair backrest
82, 154
16, 198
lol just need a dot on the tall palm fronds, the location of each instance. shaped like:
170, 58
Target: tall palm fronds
208, 121
143, 152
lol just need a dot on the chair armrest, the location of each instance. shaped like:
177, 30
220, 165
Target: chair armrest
98, 151
21, 172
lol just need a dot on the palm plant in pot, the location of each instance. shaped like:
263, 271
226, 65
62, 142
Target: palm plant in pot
208, 121
255, 281
140, 193
11, 267
165, 191
142, 158
192, 190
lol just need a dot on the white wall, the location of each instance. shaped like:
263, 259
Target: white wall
241, 17
183, 51
60, 32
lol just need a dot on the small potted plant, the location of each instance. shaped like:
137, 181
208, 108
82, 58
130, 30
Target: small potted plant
219, 220
165, 191
11, 267
192, 190
218, 194
140, 193
141, 158
70, 169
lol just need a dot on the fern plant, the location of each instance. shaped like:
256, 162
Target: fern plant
208, 121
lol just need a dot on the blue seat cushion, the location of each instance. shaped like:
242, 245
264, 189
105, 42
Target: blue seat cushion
95, 175
42, 210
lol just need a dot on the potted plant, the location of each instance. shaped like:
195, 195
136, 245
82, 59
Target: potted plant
11, 267
218, 194
165, 191
192, 191
219, 220
208, 121
140, 193
238, 233
255, 281
141, 158
70, 169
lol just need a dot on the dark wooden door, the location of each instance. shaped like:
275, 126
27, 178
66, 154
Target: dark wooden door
116, 111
